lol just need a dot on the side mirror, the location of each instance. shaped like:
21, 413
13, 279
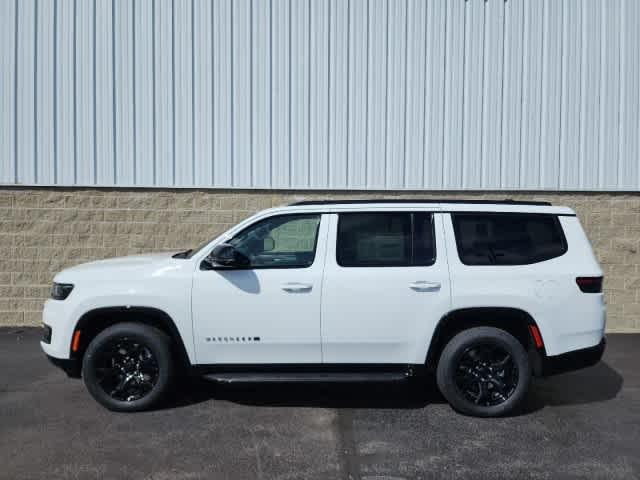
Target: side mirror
226, 256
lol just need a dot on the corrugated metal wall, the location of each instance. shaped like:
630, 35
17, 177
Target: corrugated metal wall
378, 94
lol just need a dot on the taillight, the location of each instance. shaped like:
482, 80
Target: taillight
590, 284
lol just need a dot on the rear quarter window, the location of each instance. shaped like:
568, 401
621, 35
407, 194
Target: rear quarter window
507, 239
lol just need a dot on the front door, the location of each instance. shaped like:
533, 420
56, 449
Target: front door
386, 286
268, 312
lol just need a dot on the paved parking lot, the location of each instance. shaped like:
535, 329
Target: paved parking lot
580, 425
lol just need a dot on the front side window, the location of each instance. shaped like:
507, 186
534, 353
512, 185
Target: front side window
385, 239
507, 239
284, 241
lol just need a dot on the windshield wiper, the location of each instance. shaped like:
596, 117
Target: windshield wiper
184, 254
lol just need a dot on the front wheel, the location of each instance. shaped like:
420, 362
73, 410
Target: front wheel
484, 372
128, 367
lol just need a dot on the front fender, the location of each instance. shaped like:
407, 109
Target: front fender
171, 296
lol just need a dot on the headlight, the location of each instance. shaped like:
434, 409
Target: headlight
60, 291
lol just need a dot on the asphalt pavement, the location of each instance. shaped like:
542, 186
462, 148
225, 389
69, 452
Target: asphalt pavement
584, 424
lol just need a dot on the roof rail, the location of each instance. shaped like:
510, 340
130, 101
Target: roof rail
417, 200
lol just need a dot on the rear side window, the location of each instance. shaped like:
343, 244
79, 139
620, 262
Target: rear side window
507, 239
385, 239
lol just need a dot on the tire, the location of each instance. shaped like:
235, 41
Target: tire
484, 372
128, 367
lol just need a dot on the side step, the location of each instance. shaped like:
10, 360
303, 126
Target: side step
307, 377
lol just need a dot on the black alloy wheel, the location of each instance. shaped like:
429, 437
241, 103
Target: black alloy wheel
129, 367
126, 369
484, 372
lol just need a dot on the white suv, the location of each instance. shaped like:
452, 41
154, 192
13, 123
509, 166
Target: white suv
483, 294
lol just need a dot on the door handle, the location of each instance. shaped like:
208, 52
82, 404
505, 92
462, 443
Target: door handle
424, 286
295, 287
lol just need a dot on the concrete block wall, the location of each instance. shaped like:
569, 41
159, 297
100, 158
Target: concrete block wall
43, 230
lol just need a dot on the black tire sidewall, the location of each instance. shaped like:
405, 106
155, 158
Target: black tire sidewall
152, 338
449, 360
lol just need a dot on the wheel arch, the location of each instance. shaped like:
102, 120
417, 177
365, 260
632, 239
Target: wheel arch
515, 321
96, 320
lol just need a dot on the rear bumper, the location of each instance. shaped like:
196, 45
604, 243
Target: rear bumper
574, 360
70, 366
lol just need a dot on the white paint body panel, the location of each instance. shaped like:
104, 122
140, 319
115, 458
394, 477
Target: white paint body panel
372, 314
156, 281
233, 308
567, 318
350, 315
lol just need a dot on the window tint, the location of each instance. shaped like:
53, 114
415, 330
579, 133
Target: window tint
507, 239
385, 239
281, 241
424, 245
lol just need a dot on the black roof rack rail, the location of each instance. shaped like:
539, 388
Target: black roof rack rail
417, 200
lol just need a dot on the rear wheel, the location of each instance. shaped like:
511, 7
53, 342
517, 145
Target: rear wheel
128, 367
484, 371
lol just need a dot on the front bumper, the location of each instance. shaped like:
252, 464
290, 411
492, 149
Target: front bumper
574, 360
71, 366
46, 334
58, 316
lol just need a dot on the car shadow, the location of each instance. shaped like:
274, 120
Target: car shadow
245, 280
400, 395
595, 384
590, 385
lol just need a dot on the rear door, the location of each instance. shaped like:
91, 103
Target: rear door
386, 285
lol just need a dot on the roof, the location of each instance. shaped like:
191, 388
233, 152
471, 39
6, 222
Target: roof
442, 205
410, 205
413, 201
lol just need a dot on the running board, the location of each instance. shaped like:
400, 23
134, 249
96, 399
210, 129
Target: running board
307, 377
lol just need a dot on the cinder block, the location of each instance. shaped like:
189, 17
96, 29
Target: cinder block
44, 230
